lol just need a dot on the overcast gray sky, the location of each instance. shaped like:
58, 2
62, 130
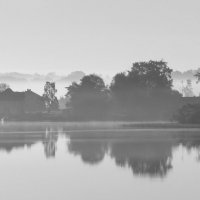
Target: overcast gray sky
102, 36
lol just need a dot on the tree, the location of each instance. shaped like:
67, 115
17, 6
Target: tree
89, 98
49, 96
188, 114
3, 87
146, 75
145, 90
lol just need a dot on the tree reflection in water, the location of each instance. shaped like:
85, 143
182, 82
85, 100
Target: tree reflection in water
49, 143
91, 151
146, 153
144, 158
22, 138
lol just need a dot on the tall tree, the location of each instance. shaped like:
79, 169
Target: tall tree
146, 75
49, 96
145, 89
88, 99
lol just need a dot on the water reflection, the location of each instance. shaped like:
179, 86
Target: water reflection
146, 153
153, 158
143, 156
91, 151
49, 143
18, 139
9, 142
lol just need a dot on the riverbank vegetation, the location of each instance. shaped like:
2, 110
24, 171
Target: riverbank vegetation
144, 93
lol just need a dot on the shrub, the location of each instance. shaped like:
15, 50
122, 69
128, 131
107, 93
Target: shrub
189, 113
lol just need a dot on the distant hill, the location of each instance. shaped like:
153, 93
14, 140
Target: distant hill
20, 77
73, 76
13, 76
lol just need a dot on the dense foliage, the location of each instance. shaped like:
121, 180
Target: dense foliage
49, 96
144, 92
188, 114
89, 98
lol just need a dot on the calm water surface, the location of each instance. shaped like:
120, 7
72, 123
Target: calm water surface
77, 161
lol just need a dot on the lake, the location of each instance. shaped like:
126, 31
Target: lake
98, 161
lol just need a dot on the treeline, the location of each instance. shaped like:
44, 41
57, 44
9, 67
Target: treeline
142, 93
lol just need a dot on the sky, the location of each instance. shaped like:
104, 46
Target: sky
97, 36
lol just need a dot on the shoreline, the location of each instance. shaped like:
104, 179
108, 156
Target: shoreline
105, 124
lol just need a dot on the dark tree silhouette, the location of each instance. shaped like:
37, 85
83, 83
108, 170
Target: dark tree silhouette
88, 99
145, 90
49, 96
148, 76
188, 114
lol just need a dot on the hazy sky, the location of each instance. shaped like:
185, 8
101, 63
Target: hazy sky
102, 36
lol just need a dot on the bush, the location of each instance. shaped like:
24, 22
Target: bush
189, 113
